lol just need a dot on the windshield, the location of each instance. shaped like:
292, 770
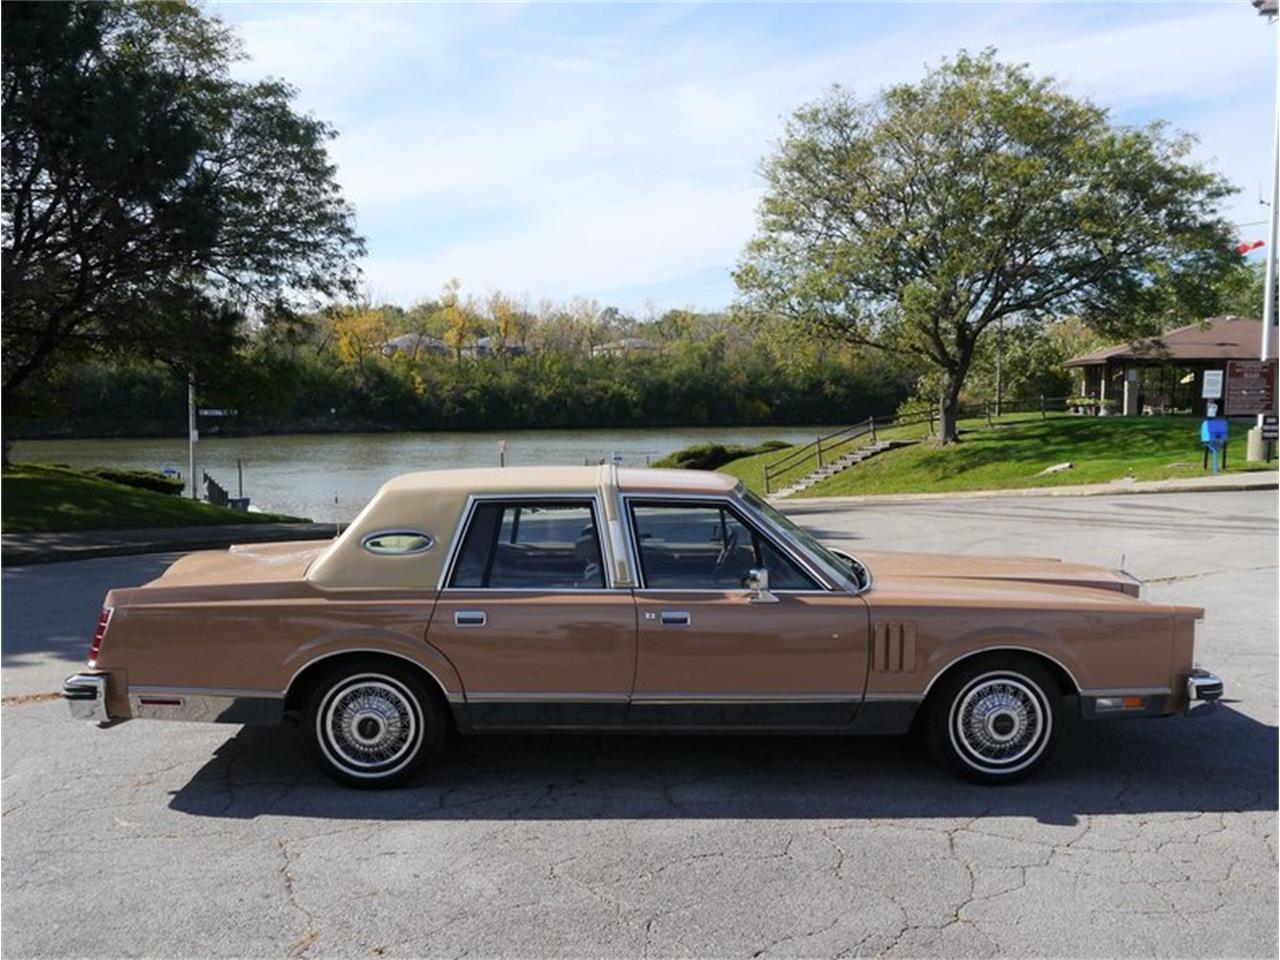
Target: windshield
834, 562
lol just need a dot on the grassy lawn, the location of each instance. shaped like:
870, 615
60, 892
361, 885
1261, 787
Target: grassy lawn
38, 498
751, 469
1102, 449
1012, 455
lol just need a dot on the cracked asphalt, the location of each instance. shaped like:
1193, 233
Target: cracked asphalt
1142, 838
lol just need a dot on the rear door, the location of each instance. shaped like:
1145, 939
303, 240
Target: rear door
708, 656
530, 619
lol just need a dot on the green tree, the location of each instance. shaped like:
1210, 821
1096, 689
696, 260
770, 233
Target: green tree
1242, 290
916, 220
152, 204
456, 317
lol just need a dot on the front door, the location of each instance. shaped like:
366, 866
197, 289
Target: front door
708, 656
530, 620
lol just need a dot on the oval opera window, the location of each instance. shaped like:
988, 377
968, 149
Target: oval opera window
398, 542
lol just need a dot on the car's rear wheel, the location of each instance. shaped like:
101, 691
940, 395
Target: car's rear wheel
373, 724
995, 719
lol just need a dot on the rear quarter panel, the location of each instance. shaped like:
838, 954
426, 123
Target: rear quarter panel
254, 638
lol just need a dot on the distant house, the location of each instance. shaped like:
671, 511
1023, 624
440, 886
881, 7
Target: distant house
489, 346
1164, 374
624, 346
415, 345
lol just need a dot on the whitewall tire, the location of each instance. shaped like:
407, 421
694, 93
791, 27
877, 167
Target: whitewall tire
995, 719
373, 723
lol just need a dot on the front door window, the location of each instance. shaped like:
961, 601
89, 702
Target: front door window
706, 547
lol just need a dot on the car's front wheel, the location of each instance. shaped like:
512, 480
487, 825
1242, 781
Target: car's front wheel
373, 724
996, 718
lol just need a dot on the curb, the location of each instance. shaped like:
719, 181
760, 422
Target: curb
1270, 481
32, 548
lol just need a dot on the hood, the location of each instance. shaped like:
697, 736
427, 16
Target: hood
1044, 570
245, 563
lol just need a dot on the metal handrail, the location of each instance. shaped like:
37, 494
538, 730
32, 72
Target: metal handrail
828, 442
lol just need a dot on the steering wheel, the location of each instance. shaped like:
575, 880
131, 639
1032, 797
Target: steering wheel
726, 551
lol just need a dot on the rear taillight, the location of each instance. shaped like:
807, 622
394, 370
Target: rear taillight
96, 647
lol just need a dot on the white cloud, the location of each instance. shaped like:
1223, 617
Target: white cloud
1196, 57
651, 237
588, 150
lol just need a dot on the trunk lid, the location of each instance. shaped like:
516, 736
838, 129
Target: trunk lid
243, 563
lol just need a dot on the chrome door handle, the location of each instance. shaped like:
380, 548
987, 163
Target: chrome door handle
676, 618
470, 618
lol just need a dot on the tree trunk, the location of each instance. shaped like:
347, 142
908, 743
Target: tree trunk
949, 407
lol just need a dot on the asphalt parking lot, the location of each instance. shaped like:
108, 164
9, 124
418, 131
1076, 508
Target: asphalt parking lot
1142, 838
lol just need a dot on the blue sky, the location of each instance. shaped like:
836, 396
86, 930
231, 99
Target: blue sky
611, 151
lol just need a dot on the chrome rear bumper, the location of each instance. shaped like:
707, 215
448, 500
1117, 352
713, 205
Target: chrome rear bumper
1204, 689
86, 696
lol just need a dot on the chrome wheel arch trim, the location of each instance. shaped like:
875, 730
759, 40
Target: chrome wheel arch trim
1002, 648
452, 698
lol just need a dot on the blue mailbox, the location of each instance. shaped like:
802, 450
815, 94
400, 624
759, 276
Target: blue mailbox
1214, 431
1213, 434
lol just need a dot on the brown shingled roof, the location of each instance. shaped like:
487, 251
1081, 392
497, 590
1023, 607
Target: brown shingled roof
1221, 338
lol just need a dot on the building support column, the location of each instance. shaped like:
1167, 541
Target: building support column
1131, 392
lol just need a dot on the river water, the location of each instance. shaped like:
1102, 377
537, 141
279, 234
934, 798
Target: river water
329, 477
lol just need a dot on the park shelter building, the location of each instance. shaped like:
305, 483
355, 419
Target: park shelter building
1164, 374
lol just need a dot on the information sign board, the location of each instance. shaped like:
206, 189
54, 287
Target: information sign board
1251, 387
1211, 388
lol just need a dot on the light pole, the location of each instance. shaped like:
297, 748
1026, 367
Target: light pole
192, 435
1271, 10
1268, 9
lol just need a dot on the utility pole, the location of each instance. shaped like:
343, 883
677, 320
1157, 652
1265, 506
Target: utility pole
192, 435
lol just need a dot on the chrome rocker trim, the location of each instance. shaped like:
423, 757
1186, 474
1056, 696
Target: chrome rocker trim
86, 696
1204, 690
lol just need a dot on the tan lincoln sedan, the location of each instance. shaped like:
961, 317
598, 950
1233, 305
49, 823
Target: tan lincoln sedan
584, 599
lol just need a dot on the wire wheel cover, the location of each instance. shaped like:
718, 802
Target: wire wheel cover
368, 724
1000, 722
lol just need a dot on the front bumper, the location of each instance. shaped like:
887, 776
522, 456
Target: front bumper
86, 696
1204, 690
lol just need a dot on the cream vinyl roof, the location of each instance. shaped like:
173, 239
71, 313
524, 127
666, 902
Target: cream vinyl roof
433, 502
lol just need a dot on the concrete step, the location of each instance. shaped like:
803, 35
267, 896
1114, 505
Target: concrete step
841, 464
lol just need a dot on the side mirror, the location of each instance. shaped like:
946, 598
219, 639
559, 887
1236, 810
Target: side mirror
758, 584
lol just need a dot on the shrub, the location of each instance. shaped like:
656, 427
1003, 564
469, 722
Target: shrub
711, 456
143, 479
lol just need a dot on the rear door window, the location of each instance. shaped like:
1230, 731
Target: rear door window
531, 545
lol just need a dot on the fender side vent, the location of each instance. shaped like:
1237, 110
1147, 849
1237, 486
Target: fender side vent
894, 647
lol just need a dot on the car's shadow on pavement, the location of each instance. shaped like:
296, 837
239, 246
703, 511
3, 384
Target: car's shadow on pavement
1223, 762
